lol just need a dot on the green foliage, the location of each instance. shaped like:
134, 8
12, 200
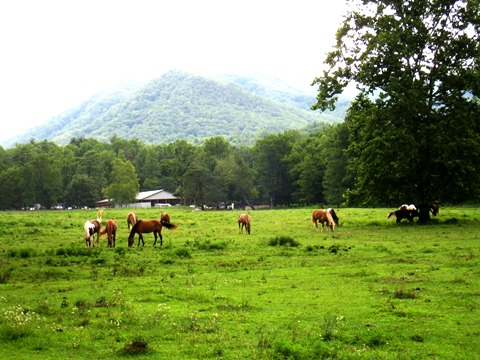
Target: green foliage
415, 117
283, 241
124, 186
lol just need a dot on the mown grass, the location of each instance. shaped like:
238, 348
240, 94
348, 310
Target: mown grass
373, 289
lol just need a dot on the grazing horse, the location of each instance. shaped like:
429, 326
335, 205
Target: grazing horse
148, 226
435, 208
403, 213
165, 218
325, 216
91, 227
244, 222
111, 230
407, 207
410, 212
132, 219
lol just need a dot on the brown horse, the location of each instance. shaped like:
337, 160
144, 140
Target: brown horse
132, 219
244, 222
91, 228
148, 226
325, 216
435, 208
165, 218
110, 229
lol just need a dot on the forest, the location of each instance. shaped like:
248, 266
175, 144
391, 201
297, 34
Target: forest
280, 170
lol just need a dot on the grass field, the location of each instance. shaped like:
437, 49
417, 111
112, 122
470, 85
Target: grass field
373, 289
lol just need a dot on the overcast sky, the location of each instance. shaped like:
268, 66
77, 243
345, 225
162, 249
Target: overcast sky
55, 53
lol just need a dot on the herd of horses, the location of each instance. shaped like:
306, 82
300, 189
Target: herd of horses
140, 226
135, 226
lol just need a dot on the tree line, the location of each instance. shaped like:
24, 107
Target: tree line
280, 170
285, 169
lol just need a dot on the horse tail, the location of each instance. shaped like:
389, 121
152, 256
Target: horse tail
99, 216
390, 214
313, 217
169, 226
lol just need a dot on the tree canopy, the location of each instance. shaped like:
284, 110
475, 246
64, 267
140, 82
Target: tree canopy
414, 129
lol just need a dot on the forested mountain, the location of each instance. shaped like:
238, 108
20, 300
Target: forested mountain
179, 105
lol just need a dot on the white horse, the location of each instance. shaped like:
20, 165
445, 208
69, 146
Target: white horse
91, 227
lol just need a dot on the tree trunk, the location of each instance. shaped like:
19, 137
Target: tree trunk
423, 214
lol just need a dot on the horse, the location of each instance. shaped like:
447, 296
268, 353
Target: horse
325, 216
91, 227
403, 213
244, 222
407, 207
132, 219
148, 226
435, 208
165, 218
110, 229
410, 212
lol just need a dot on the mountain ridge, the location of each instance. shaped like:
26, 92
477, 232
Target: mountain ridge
180, 105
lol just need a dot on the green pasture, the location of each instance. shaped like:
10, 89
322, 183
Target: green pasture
373, 289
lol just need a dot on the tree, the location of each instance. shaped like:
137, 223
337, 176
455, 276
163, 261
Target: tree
238, 177
183, 158
125, 185
414, 125
81, 191
271, 164
308, 169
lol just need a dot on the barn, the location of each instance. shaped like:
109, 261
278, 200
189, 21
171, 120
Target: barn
144, 199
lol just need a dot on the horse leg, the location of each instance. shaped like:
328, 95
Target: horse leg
113, 238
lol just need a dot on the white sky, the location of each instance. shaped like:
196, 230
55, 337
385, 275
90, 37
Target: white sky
54, 54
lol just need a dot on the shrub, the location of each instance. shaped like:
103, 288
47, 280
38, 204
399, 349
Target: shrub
403, 294
183, 252
283, 241
137, 346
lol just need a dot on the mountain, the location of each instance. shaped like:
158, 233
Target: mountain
179, 105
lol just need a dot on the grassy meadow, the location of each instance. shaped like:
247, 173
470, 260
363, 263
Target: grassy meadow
373, 289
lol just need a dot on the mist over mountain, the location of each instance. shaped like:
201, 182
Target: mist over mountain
179, 105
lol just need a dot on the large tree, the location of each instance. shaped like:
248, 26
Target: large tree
125, 185
415, 123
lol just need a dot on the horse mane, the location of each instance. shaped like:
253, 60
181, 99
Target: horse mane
333, 214
330, 220
134, 228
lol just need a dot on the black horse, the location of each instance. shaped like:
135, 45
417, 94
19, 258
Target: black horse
403, 214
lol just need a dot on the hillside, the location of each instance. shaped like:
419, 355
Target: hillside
178, 105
